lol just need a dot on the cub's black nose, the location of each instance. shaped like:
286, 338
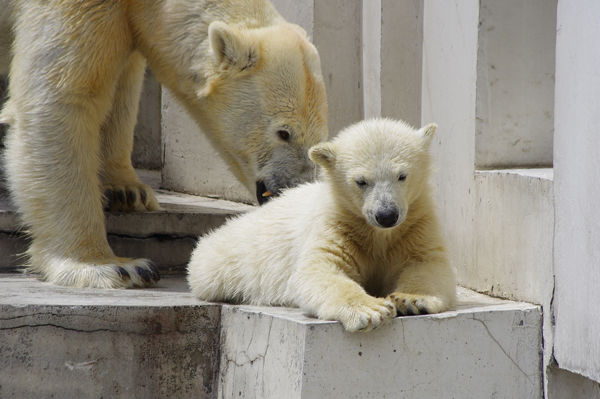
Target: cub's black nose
387, 217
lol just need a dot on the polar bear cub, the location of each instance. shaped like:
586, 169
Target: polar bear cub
359, 246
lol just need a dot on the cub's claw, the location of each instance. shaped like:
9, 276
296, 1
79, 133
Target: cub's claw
366, 315
409, 305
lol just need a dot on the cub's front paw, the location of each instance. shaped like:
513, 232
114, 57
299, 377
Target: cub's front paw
408, 304
137, 197
365, 314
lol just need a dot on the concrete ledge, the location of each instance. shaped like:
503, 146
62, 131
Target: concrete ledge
77, 343
163, 343
486, 348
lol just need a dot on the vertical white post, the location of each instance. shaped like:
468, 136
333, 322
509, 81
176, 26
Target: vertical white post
577, 188
371, 56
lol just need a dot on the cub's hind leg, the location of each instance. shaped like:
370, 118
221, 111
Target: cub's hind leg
123, 189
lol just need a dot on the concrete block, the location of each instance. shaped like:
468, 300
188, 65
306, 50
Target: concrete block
163, 343
83, 343
485, 348
513, 232
564, 384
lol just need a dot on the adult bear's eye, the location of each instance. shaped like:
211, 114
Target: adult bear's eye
361, 183
402, 177
284, 135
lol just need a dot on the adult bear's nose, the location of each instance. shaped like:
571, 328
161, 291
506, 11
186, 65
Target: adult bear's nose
387, 217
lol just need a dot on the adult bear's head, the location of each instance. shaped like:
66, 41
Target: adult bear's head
264, 104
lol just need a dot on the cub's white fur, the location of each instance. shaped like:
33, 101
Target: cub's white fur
354, 247
242, 71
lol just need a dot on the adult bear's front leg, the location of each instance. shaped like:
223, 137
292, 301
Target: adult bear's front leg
123, 190
67, 58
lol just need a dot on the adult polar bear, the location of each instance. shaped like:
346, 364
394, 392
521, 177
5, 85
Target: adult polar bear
250, 79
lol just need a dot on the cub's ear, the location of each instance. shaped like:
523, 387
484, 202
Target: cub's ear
231, 49
427, 133
323, 154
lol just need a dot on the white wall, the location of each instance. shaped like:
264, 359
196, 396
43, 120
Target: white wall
499, 223
577, 188
515, 83
337, 36
401, 59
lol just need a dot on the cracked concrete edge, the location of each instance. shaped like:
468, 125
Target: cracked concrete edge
261, 355
127, 352
503, 336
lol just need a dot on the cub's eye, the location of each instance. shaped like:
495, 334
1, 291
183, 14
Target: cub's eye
361, 183
402, 177
283, 135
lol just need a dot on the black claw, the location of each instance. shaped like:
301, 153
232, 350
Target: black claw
143, 274
121, 196
108, 195
154, 273
131, 197
423, 310
143, 196
123, 273
409, 312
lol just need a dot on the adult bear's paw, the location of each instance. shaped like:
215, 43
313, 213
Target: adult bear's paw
133, 197
112, 273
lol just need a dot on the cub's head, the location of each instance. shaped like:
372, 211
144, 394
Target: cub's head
265, 104
378, 168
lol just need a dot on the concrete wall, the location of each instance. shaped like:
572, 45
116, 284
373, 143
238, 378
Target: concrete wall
500, 223
515, 83
337, 35
401, 59
190, 163
147, 149
577, 188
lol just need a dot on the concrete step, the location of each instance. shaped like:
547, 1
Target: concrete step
162, 343
167, 237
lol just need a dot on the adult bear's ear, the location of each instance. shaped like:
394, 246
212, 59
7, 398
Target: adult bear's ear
427, 133
231, 50
323, 154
